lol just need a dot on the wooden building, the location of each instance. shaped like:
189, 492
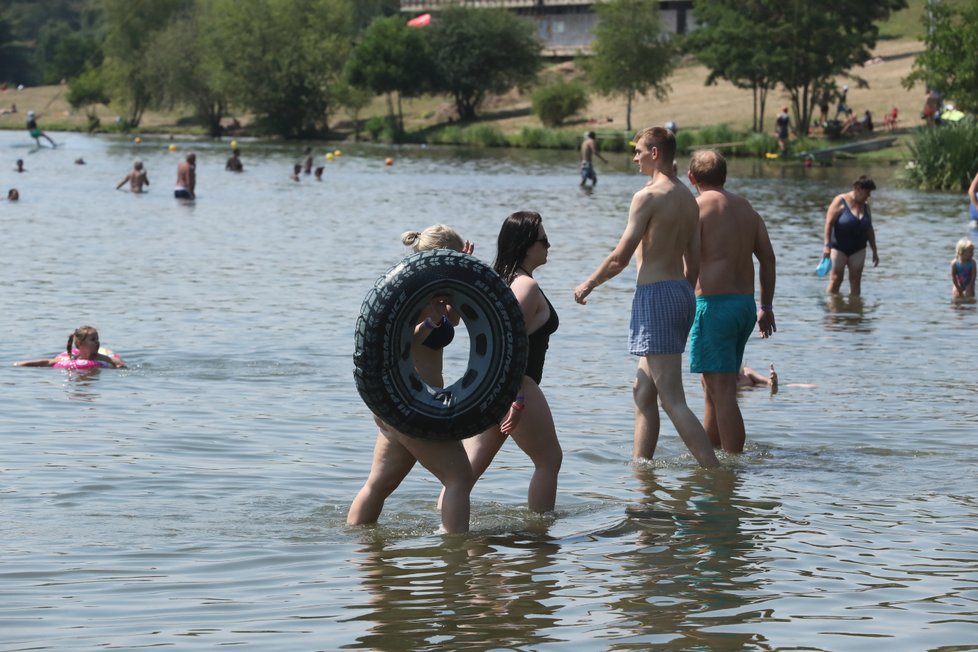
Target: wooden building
564, 26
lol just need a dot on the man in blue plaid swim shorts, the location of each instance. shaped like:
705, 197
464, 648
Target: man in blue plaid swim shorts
663, 227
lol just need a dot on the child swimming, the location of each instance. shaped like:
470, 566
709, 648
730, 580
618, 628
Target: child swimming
81, 352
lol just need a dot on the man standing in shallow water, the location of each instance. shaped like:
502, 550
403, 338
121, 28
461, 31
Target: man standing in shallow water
731, 235
663, 228
186, 178
589, 149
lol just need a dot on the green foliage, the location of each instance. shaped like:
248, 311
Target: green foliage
798, 44
542, 138
130, 26
65, 53
943, 158
726, 42
180, 74
481, 51
391, 57
279, 59
383, 129
473, 135
558, 100
949, 62
86, 89
631, 55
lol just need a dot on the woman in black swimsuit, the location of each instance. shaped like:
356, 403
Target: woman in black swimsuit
396, 453
522, 248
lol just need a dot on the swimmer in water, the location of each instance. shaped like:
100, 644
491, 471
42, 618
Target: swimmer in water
81, 351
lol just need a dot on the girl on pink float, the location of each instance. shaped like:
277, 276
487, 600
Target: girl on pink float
81, 352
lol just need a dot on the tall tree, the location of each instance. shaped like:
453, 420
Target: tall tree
814, 42
726, 41
390, 58
281, 59
800, 44
631, 55
130, 26
481, 51
182, 76
949, 63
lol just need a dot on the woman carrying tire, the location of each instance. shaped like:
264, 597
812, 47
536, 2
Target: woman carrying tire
522, 247
395, 453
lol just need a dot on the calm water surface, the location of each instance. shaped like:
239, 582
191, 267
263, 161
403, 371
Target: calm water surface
198, 499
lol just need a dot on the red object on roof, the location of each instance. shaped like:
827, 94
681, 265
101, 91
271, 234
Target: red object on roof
421, 21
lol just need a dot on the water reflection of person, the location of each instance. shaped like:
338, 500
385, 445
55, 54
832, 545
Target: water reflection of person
395, 453
465, 594
846, 313
694, 526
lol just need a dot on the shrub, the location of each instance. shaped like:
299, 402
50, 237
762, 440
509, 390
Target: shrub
559, 100
943, 158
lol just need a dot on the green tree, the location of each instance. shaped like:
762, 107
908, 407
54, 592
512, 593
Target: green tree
481, 51
85, 91
810, 43
280, 59
726, 41
798, 44
181, 75
67, 53
390, 58
949, 61
130, 26
631, 55
558, 100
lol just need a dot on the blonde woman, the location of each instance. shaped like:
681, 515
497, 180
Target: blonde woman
395, 453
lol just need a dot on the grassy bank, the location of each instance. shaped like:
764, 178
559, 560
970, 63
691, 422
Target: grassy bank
705, 114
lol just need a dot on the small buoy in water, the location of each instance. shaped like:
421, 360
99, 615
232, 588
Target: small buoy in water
172, 147
388, 161
234, 144
329, 156
137, 140
337, 153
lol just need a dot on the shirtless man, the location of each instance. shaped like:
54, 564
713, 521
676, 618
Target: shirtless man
234, 163
663, 228
731, 235
186, 178
136, 179
589, 149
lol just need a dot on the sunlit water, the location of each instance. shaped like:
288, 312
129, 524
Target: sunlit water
198, 499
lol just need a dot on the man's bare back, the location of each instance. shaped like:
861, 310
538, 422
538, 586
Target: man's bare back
671, 218
731, 234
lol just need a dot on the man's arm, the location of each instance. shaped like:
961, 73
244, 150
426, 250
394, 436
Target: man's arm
639, 215
767, 277
691, 257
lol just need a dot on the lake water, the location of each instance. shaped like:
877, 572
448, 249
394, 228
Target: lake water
198, 499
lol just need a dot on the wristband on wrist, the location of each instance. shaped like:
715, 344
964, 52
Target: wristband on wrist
430, 324
767, 307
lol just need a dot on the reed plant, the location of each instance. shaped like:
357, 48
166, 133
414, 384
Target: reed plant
943, 157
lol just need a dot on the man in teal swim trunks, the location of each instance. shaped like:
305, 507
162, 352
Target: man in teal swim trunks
731, 235
662, 231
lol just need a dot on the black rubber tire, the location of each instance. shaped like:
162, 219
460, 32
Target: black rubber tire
383, 370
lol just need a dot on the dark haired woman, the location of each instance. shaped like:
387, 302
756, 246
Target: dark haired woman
522, 248
848, 229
